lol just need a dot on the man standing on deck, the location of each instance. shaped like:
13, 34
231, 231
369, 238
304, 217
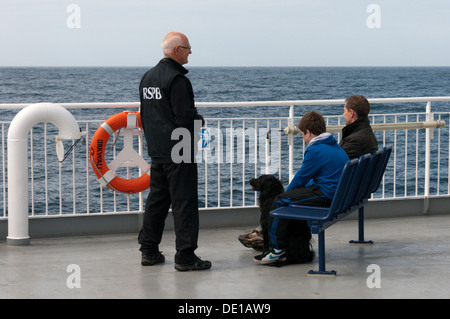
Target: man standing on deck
357, 136
167, 104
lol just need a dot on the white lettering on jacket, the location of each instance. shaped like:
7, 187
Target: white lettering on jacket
151, 93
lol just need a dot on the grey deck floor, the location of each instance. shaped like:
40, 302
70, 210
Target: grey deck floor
413, 255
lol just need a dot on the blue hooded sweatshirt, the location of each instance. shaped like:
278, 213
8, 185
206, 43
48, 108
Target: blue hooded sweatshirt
322, 165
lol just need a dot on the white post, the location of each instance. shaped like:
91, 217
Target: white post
427, 160
291, 144
18, 161
267, 148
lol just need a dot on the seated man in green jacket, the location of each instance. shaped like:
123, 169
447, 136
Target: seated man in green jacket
357, 136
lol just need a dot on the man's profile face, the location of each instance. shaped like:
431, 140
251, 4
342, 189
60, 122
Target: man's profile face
348, 115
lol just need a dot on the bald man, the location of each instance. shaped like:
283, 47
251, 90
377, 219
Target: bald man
167, 104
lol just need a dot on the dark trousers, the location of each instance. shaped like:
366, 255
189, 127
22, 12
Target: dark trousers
279, 227
176, 185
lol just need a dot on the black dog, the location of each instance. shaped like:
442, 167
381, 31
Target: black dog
268, 187
298, 248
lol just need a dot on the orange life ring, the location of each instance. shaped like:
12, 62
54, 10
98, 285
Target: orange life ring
97, 156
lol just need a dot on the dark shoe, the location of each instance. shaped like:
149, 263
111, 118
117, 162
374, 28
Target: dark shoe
197, 265
252, 240
151, 260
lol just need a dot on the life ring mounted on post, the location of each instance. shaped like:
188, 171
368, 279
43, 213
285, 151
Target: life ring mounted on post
106, 174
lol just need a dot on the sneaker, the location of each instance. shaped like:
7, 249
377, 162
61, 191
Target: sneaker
197, 265
252, 240
269, 257
151, 260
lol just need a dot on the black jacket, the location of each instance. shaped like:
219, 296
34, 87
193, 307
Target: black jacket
167, 103
358, 138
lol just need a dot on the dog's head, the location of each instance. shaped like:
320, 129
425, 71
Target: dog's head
267, 185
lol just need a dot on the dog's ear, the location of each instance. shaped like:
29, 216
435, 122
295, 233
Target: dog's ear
275, 186
280, 189
280, 186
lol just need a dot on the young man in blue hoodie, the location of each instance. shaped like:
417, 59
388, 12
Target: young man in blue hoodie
314, 184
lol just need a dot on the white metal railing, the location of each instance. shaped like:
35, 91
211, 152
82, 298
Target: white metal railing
240, 148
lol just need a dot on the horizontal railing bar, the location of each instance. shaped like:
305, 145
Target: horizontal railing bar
378, 127
244, 104
321, 102
406, 125
212, 119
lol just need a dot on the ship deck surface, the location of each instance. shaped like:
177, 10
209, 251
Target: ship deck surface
412, 253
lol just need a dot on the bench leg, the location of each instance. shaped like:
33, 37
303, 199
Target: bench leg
361, 229
322, 270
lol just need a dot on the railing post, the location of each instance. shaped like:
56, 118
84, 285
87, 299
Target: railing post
141, 153
291, 143
268, 148
426, 194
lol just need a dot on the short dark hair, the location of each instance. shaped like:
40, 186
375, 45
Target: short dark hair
359, 104
312, 121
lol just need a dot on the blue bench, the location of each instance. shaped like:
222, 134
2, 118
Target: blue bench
360, 178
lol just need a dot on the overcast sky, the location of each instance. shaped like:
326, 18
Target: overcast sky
226, 32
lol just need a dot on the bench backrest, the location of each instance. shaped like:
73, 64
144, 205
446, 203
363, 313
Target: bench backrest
360, 178
371, 175
387, 150
344, 188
